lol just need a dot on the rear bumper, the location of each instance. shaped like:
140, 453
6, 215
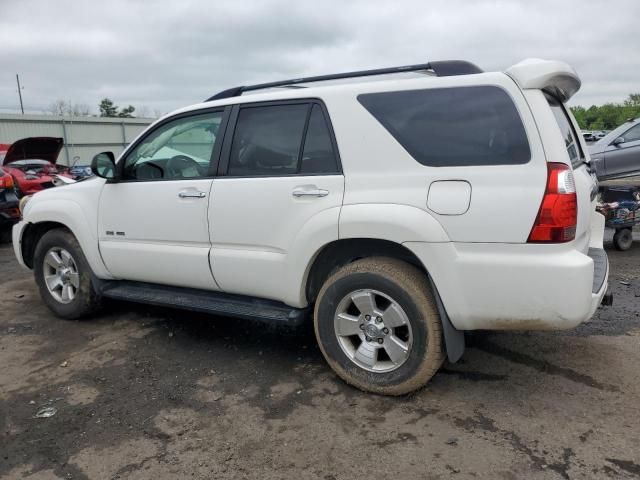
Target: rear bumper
517, 286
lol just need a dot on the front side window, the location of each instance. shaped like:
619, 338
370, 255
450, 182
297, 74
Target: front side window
632, 135
276, 140
179, 149
452, 127
568, 134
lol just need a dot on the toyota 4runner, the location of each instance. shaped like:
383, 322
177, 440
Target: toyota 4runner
397, 207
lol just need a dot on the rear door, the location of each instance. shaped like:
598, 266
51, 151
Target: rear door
279, 170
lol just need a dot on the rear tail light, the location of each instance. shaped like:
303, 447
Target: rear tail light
558, 215
6, 181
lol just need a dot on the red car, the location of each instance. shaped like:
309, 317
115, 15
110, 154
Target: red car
32, 162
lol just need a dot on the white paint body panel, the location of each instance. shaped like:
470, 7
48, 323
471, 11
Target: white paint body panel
449, 197
165, 238
251, 236
76, 207
263, 237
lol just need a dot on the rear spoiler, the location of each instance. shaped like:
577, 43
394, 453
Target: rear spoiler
554, 77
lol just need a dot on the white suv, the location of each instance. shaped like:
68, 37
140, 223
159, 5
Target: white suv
400, 207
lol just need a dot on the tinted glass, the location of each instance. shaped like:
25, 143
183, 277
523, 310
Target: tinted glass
318, 155
179, 149
453, 126
570, 138
267, 140
632, 135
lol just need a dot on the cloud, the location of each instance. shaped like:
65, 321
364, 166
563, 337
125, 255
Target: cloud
167, 54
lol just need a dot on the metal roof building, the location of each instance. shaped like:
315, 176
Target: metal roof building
83, 136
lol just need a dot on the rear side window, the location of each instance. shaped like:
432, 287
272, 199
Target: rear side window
318, 155
568, 133
460, 126
278, 140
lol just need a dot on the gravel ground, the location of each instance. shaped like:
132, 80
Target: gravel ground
154, 393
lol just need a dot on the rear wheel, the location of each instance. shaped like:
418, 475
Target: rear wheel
63, 275
623, 239
378, 327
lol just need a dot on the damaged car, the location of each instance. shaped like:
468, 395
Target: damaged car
32, 163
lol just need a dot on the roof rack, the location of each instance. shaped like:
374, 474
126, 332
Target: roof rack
445, 68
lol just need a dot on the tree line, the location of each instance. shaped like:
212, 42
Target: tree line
106, 108
609, 115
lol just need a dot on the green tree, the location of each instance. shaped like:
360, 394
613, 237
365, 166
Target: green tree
609, 115
127, 112
107, 108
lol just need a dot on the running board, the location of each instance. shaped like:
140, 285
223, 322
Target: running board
214, 303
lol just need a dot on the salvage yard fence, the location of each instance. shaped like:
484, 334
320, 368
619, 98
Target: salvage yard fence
83, 136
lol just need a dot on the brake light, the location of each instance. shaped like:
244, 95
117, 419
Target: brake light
558, 215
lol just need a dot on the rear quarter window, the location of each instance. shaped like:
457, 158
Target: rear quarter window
459, 126
569, 135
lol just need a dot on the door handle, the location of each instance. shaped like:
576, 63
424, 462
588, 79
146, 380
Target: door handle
310, 191
191, 194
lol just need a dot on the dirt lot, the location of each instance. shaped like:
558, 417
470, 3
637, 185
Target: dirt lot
153, 393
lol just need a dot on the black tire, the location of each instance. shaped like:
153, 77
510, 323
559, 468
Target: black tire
86, 300
410, 289
623, 239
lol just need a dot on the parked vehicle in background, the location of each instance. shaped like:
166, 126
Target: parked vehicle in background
32, 162
9, 212
620, 206
617, 154
81, 171
600, 134
348, 200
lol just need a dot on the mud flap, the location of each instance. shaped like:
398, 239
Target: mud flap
453, 338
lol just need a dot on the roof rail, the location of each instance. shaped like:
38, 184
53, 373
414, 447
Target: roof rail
444, 68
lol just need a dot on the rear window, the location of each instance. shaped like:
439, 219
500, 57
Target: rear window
460, 126
568, 133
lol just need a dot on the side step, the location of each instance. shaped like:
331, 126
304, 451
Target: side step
214, 303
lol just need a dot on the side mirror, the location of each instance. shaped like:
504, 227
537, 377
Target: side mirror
618, 141
104, 165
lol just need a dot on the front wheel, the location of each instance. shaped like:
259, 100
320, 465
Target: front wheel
378, 326
63, 275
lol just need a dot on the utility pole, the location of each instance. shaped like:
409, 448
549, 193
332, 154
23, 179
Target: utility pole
20, 93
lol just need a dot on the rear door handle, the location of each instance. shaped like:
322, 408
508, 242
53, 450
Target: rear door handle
191, 194
309, 191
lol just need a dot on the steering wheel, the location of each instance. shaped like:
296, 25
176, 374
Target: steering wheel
178, 165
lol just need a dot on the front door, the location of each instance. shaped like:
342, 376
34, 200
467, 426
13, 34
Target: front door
153, 223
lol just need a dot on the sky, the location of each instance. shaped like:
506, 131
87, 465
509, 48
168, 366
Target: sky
162, 55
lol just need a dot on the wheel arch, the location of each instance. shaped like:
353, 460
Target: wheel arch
32, 234
342, 252
42, 216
